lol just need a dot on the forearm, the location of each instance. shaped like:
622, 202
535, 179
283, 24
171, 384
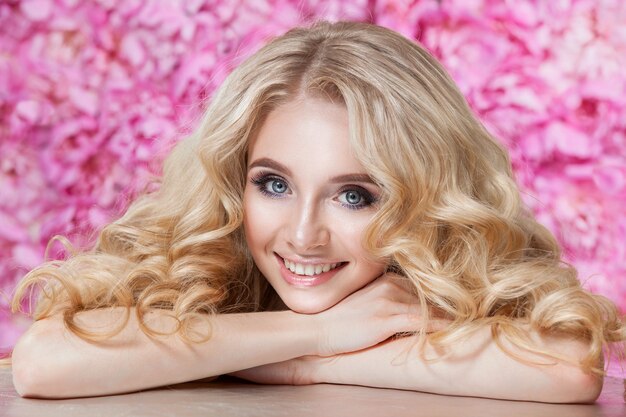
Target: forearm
49, 361
476, 368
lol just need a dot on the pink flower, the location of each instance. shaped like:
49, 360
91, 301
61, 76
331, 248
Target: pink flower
36, 10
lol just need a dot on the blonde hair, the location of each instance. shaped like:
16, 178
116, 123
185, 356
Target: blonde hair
451, 220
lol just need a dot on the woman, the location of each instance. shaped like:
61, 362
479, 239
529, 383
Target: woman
338, 216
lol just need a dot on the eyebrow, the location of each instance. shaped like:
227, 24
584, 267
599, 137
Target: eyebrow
270, 163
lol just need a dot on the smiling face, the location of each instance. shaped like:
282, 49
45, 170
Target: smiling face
307, 203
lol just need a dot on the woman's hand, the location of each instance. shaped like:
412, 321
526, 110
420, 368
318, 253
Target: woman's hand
365, 320
369, 316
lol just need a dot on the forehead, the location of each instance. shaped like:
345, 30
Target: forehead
304, 134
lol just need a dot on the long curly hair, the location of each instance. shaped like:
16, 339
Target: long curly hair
450, 221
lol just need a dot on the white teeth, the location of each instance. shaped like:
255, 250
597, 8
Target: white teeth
309, 269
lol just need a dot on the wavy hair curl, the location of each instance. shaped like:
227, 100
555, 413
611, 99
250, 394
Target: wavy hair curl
451, 219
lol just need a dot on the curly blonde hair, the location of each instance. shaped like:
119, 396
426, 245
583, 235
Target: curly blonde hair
451, 220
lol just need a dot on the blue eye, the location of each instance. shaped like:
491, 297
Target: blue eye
270, 185
277, 186
356, 198
352, 197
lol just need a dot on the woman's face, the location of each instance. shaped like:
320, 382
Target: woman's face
307, 203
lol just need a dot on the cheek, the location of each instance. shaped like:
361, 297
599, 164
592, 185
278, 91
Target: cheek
259, 221
350, 228
351, 231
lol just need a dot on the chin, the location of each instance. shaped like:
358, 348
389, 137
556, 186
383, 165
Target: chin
307, 306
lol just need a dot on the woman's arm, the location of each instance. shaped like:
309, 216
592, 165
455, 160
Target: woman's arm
50, 361
477, 368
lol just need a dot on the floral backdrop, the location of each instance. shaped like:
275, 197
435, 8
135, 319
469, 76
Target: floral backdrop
93, 93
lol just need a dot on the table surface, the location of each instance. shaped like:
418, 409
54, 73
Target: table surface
227, 397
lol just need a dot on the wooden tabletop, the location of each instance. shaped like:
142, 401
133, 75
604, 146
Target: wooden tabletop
227, 397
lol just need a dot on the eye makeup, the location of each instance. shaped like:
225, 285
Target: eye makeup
275, 186
270, 185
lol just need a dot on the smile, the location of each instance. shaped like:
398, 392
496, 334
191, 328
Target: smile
309, 269
307, 274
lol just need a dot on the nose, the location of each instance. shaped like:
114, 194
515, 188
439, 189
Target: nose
307, 229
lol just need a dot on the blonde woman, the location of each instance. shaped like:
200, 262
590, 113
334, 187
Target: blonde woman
338, 216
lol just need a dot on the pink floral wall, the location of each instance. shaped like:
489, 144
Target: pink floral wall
93, 93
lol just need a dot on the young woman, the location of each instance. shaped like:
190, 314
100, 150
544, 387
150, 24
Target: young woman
339, 216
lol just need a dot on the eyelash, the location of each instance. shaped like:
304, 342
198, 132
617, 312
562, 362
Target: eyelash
262, 179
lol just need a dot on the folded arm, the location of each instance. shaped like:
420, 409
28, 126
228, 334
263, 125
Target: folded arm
477, 368
51, 362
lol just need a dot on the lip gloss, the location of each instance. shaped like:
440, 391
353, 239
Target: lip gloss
305, 280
